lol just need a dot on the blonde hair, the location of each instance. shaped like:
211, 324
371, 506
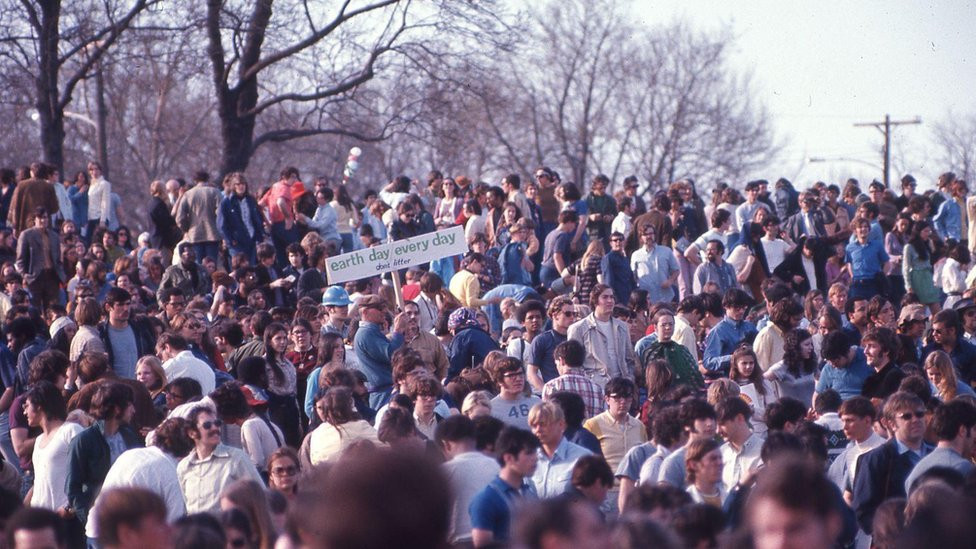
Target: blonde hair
156, 366
546, 413
940, 361
595, 249
720, 389
474, 399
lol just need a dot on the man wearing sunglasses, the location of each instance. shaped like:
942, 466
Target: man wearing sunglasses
211, 466
881, 473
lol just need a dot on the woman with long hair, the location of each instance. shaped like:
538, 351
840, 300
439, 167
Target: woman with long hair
749, 259
794, 375
282, 383
249, 497
588, 269
894, 245
45, 408
503, 232
942, 377
149, 372
813, 302
348, 218
284, 470
331, 356
449, 206
303, 353
341, 426
755, 389
916, 267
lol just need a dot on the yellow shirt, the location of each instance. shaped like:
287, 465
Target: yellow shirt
769, 346
616, 438
466, 288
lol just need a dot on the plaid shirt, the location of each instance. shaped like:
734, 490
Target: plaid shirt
574, 383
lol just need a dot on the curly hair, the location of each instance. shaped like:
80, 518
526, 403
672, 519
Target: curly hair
793, 356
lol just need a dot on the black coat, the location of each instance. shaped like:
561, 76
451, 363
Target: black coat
163, 232
793, 265
881, 474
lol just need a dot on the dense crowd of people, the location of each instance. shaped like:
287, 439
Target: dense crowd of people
780, 369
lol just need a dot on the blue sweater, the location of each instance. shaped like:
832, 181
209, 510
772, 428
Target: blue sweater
723, 339
374, 350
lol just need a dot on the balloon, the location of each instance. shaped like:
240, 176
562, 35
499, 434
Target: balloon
347, 173
351, 158
353, 165
355, 151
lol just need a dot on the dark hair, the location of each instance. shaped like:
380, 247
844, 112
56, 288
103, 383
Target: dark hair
730, 407
454, 428
110, 400
798, 485
198, 531
591, 469
735, 298
595, 294
827, 401
835, 345
793, 356
920, 246
36, 519
620, 385
230, 402
695, 409
513, 441
885, 338
574, 408
47, 397
780, 443
269, 352
125, 505
486, 430
858, 406
171, 437
666, 426
572, 352
189, 387
951, 416
339, 408
48, 365
783, 411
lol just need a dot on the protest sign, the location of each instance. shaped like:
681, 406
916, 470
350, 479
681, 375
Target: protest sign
395, 255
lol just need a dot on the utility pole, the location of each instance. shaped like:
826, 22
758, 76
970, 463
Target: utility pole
885, 128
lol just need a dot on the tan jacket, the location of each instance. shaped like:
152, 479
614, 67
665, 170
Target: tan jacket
196, 214
598, 366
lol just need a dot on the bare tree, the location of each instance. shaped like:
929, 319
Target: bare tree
58, 48
284, 70
955, 139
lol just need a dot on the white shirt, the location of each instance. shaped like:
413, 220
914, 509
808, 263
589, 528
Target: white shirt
99, 200
203, 480
259, 441
468, 474
150, 468
622, 224
737, 464
775, 251
51, 467
187, 365
685, 335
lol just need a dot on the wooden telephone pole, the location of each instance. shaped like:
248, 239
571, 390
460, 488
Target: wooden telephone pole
885, 128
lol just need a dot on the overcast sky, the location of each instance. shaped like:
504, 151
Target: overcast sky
821, 66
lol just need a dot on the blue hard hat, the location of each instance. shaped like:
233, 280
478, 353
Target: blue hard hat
336, 295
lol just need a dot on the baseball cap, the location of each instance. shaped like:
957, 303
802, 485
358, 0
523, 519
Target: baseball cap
911, 313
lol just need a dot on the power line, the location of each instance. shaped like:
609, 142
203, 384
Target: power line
885, 128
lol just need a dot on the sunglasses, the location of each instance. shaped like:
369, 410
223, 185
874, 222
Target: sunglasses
907, 416
207, 425
284, 471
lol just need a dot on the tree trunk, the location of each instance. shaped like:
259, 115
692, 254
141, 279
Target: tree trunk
50, 115
237, 131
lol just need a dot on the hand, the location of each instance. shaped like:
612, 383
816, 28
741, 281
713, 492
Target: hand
66, 512
666, 284
797, 279
400, 323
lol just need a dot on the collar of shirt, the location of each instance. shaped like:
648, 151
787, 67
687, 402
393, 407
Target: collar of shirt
903, 449
220, 451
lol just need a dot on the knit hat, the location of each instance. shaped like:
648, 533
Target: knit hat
462, 318
60, 323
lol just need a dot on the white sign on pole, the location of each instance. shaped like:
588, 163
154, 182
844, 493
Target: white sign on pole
398, 254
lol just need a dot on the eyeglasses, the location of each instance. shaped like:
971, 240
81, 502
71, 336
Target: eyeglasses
616, 240
177, 303
569, 313
427, 397
907, 416
284, 471
122, 304
621, 397
193, 325
513, 375
207, 425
